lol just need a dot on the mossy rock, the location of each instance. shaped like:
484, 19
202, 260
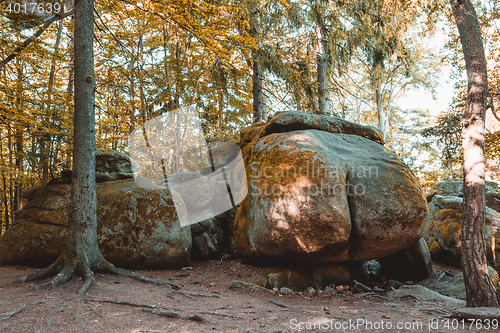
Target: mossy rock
443, 237
137, 227
318, 197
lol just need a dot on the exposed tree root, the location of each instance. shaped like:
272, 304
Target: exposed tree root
197, 317
7, 315
132, 304
152, 309
64, 269
123, 272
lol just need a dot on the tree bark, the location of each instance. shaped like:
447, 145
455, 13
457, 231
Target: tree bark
322, 64
257, 92
81, 253
478, 284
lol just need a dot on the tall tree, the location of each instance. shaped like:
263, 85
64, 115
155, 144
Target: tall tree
479, 287
81, 254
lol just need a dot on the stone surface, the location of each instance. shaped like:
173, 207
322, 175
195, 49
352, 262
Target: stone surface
424, 294
289, 121
455, 286
317, 197
479, 313
112, 165
454, 187
301, 277
137, 227
443, 237
207, 239
413, 263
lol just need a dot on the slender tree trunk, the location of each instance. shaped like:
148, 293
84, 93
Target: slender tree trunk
19, 168
131, 92
6, 203
45, 145
478, 284
257, 92
5, 199
321, 46
11, 166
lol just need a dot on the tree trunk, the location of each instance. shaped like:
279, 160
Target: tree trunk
478, 284
81, 254
322, 64
19, 168
257, 92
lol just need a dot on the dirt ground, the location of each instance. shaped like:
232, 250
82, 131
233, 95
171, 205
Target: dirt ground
203, 302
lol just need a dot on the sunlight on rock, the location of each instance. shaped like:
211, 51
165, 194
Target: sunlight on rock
303, 139
310, 248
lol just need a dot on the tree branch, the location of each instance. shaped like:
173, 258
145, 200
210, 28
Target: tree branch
31, 39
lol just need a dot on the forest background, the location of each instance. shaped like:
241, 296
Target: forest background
239, 62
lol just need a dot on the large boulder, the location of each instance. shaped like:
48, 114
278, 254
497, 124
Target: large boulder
445, 229
454, 187
112, 165
137, 227
319, 194
109, 165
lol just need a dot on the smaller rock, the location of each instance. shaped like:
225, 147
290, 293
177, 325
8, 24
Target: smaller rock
286, 291
341, 288
330, 291
187, 268
245, 286
372, 269
378, 290
346, 293
212, 284
392, 284
311, 290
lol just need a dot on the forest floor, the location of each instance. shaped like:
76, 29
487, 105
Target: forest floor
205, 303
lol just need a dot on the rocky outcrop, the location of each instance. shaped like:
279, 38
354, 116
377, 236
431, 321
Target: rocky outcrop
453, 285
110, 165
454, 187
137, 227
445, 229
320, 195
